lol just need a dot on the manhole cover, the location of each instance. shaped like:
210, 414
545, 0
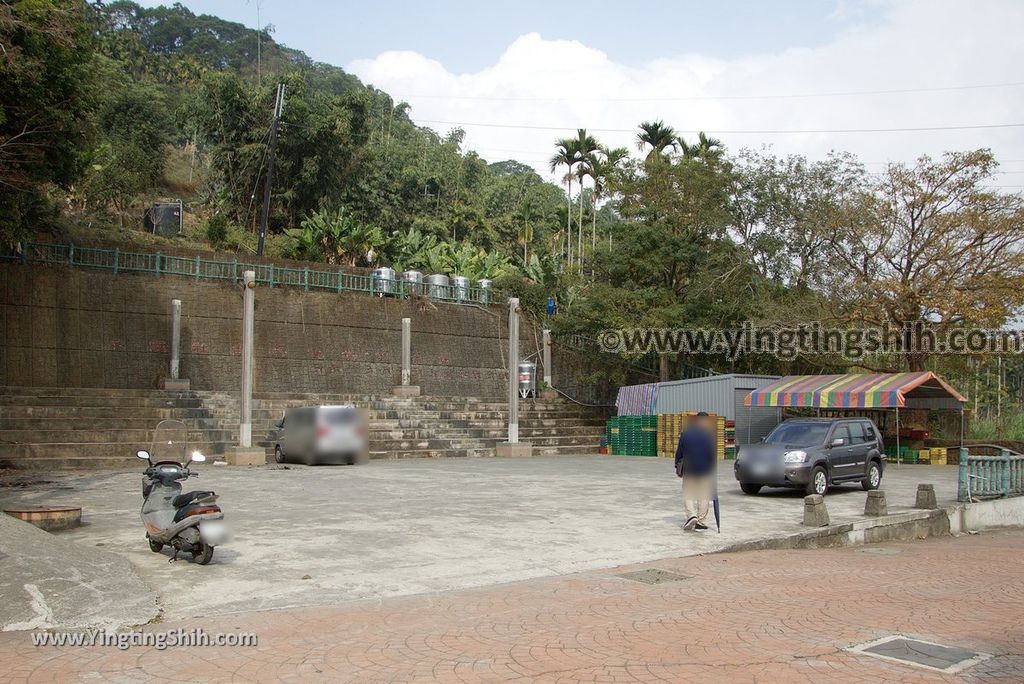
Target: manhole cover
653, 576
925, 654
881, 551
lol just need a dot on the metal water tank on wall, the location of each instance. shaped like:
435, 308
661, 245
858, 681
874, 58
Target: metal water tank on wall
438, 287
527, 379
413, 282
383, 281
484, 295
461, 286
164, 218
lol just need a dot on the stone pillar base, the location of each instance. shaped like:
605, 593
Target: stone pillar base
926, 497
178, 385
875, 504
815, 513
517, 450
406, 390
246, 456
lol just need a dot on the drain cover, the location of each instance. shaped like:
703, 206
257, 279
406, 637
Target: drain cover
925, 654
653, 576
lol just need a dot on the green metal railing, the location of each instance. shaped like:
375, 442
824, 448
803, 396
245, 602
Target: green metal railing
271, 275
990, 476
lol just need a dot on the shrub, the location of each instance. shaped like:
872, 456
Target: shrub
217, 229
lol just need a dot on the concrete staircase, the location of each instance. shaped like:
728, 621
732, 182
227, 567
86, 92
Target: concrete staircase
44, 429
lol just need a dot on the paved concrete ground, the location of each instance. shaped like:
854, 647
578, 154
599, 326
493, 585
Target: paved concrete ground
763, 616
322, 536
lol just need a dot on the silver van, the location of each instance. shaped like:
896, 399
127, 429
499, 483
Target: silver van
317, 435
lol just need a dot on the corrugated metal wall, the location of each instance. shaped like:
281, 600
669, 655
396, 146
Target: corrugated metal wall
723, 395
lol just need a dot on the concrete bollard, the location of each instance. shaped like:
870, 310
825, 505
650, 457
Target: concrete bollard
926, 497
875, 504
815, 513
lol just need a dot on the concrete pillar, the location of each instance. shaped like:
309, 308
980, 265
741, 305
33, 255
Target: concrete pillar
875, 506
513, 370
546, 357
406, 389
248, 315
513, 447
175, 338
174, 381
926, 497
815, 513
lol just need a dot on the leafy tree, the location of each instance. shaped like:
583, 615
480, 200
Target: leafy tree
657, 136
339, 238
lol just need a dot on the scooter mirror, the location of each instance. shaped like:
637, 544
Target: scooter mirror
142, 453
198, 457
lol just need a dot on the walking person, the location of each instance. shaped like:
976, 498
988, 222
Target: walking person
695, 464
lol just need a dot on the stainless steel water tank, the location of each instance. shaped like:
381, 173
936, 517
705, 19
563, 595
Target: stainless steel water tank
527, 379
461, 286
484, 285
438, 286
413, 282
383, 282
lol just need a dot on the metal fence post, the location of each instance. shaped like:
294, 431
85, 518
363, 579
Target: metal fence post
198, 266
271, 275
71, 255
117, 260
305, 278
1004, 472
341, 280
961, 490
158, 258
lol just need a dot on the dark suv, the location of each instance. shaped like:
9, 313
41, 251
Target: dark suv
812, 454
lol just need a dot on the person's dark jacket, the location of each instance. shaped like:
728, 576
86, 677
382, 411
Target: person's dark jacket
695, 454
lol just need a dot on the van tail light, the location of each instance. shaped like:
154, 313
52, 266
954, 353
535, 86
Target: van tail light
322, 430
361, 430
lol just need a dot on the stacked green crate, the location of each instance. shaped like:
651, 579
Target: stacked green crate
611, 431
638, 436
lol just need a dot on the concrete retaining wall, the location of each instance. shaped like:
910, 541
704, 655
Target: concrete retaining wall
75, 328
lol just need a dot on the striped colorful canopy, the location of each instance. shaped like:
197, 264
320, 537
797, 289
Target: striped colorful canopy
637, 400
864, 390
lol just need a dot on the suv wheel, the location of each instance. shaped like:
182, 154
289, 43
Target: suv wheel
873, 478
750, 488
818, 483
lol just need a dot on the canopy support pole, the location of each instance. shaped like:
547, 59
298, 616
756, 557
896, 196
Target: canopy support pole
899, 455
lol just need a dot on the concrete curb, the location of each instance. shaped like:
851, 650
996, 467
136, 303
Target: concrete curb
956, 519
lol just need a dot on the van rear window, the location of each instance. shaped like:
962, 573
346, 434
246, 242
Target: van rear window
340, 416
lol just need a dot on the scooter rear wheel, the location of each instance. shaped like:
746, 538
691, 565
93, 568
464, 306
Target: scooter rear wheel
203, 554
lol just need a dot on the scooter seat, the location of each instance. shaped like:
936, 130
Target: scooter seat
183, 500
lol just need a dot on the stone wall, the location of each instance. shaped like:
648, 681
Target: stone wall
79, 328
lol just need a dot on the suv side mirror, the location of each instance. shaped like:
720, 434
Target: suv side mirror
838, 441
142, 453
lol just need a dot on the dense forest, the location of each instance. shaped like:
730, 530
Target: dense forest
107, 106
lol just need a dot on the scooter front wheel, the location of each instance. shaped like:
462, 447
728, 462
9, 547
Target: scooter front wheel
154, 546
203, 554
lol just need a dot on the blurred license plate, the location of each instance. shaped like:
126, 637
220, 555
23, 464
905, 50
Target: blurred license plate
761, 469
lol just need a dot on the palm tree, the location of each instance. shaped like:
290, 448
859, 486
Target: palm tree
565, 155
707, 149
586, 147
602, 167
656, 135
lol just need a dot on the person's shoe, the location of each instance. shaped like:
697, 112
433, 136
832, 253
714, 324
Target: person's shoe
690, 523
700, 526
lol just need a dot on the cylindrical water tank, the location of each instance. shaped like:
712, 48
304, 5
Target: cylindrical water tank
383, 281
413, 282
484, 284
461, 286
438, 287
527, 379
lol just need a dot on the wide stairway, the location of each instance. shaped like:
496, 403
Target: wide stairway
60, 428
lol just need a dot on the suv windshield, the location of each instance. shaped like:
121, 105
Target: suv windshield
798, 434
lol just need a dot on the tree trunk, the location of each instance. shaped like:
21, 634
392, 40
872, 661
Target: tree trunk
568, 220
663, 369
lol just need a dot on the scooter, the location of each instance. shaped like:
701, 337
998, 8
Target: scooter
191, 522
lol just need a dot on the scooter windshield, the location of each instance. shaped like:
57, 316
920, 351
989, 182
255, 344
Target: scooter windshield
170, 442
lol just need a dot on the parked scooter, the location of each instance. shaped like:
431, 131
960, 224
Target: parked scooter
190, 522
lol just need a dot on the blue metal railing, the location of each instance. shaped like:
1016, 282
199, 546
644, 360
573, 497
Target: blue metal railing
202, 268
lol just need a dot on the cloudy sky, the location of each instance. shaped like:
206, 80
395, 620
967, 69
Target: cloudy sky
802, 76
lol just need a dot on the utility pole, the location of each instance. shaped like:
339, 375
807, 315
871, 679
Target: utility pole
269, 183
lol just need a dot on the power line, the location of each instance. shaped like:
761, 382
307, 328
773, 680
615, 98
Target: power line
698, 98
909, 129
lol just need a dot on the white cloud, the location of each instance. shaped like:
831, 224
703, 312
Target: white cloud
918, 44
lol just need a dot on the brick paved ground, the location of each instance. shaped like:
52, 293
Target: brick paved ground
759, 616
